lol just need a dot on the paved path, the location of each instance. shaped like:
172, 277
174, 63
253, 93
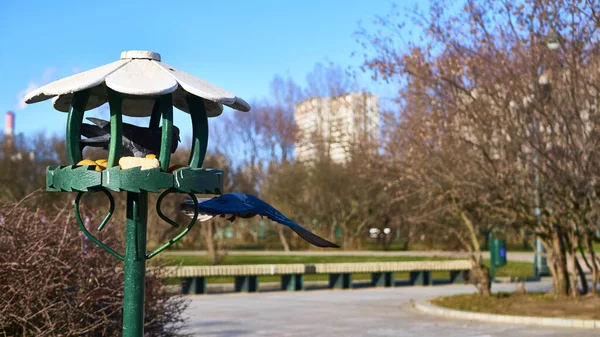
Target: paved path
347, 313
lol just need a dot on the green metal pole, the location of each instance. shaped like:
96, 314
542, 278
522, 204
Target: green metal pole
74, 121
492, 247
135, 264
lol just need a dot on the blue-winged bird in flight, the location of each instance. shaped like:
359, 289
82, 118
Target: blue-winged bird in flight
232, 205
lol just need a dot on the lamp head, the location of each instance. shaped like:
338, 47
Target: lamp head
553, 42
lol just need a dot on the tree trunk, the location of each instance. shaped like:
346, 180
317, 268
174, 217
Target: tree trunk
572, 243
215, 252
594, 263
253, 234
386, 241
524, 240
480, 275
209, 240
283, 239
559, 261
486, 239
409, 237
332, 231
584, 284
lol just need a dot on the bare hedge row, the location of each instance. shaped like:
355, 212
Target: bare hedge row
54, 282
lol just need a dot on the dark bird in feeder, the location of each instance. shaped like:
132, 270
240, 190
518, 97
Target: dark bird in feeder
232, 205
137, 141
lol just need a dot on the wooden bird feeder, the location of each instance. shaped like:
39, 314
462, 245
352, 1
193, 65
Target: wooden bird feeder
137, 85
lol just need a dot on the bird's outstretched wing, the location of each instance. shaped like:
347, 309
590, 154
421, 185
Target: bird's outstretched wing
245, 205
230, 203
270, 212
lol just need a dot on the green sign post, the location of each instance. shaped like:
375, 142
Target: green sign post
137, 85
497, 254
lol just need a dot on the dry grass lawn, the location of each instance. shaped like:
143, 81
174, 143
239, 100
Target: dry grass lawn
536, 304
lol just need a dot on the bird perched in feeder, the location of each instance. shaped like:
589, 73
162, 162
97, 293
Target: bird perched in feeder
137, 141
232, 205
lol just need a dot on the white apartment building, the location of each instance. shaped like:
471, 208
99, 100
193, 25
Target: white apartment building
334, 124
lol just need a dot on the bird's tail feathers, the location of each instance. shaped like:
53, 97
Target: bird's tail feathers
99, 122
313, 238
101, 141
91, 131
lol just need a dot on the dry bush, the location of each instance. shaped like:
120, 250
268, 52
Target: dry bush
55, 282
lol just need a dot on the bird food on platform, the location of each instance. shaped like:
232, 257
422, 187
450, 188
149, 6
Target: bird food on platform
149, 162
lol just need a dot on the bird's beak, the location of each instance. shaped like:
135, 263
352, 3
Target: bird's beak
179, 139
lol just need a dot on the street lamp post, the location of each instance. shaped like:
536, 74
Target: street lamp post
540, 263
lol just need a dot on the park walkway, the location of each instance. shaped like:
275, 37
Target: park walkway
367, 312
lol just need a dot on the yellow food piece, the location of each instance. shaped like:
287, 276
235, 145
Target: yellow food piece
175, 167
101, 164
151, 155
145, 163
87, 162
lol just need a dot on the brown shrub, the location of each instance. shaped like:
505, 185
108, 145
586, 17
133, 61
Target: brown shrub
55, 282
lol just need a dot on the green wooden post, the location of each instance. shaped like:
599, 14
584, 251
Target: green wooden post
116, 126
74, 121
135, 264
200, 131
155, 117
165, 103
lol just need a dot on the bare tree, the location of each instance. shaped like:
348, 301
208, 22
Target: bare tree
511, 81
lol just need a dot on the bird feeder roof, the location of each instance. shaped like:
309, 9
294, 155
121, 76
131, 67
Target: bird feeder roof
140, 76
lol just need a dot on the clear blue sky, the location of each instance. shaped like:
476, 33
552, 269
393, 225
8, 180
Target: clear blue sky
237, 44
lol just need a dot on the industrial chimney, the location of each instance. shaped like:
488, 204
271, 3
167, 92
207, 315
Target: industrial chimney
9, 123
